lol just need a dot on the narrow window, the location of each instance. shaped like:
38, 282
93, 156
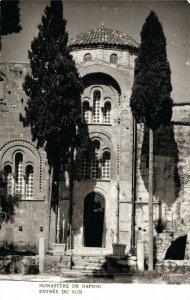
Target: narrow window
9, 179
29, 182
84, 166
87, 57
85, 112
1, 91
106, 165
96, 172
113, 58
96, 107
107, 113
19, 184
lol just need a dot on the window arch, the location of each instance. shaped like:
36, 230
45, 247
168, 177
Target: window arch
87, 57
96, 117
86, 112
106, 165
9, 179
20, 175
29, 171
107, 112
19, 178
113, 58
84, 165
1, 91
95, 166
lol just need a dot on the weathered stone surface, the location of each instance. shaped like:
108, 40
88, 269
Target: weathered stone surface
16, 264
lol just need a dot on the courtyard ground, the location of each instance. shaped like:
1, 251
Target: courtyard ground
75, 276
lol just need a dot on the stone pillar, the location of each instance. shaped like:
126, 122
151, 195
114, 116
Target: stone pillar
140, 255
42, 251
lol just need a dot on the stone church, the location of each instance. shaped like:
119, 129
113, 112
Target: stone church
110, 190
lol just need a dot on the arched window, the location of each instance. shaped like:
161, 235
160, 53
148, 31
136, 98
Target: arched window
113, 58
29, 182
1, 91
96, 107
19, 186
107, 112
19, 170
87, 57
86, 112
96, 169
84, 166
9, 179
106, 165
96, 166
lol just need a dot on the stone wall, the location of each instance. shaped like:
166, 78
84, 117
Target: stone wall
103, 55
115, 82
31, 216
171, 178
57, 264
17, 264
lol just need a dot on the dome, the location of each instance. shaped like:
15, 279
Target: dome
103, 38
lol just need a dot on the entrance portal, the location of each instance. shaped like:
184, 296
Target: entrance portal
94, 206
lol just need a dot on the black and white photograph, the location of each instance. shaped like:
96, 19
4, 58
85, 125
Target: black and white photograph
94, 149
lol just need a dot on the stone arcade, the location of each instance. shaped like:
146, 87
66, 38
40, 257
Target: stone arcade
110, 197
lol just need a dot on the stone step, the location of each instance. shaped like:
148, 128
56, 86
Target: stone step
89, 256
89, 263
94, 272
93, 261
88, 268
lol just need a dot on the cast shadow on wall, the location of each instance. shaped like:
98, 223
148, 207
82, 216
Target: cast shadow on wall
166, 180
87, 170
64, 204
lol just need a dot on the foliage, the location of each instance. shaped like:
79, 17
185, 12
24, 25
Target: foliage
54, 87
150, 100
10, 17
7, 201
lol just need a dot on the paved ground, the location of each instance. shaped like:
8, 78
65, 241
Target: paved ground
73, 276
68, 275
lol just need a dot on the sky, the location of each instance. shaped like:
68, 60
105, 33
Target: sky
126, 16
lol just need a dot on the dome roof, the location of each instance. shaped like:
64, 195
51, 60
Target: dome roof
103, 38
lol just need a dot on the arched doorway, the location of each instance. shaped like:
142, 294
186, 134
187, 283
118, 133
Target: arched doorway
94, 207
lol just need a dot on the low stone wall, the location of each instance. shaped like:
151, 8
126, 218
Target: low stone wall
163, 241
57, 264
173, 266
121, 265
17, 264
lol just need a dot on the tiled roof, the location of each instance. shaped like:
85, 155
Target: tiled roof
105, 38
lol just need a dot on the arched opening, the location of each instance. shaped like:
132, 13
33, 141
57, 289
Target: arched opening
176, 250
113, 58
95, 164
96, 117
106, 165
87, 57
19, 186
107, 112
99, 79
93, 221
9, 179
29, 182
86, 112
85, 166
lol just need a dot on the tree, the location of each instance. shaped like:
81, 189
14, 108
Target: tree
8, 202
54, 89
150, 101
